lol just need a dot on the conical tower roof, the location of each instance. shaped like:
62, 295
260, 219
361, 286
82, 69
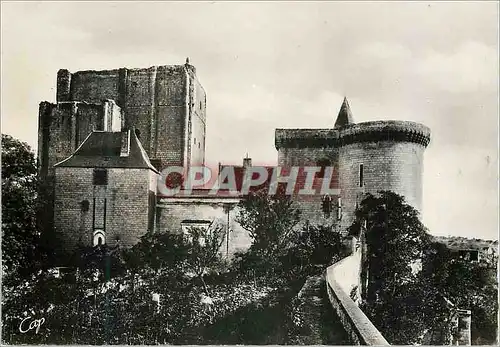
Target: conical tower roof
345, 115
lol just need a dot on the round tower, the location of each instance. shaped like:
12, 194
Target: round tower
381, 155
367, 158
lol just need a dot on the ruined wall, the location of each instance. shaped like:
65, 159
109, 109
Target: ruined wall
65, 125
89, 117
164, 103
172, 211
171, 114
198, 124
93, 86
126, 201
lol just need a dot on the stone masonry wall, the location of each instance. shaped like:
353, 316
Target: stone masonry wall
311, 206
93, 86
126, 205
387, 165
153, 100
171, 114
198, 124
340, 277
172, 211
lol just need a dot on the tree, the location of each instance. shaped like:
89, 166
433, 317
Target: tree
314, 246
20, 236
203, 255
396, 241
469, 285
270, 221
398, 300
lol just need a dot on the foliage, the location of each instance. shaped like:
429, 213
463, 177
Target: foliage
105, 295
396, 241
270, 221
469, 285
395, 238
408, 305
90, 306
317, 245
19, 192
203, 255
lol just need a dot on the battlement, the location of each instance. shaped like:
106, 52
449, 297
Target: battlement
124, 85
391, 130
116, 71
375, 131
306, 138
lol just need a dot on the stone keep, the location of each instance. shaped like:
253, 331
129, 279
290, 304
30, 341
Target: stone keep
164, 105
367, 157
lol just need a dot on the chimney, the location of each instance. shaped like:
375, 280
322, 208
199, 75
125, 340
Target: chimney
125, 141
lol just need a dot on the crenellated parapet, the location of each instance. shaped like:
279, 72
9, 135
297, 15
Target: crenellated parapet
376, 131
306, 138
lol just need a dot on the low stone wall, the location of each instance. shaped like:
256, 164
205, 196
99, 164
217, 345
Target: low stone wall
341, 278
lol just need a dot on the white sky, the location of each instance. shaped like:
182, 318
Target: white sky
289, 64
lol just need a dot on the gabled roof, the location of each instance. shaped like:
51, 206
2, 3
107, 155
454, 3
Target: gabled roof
104, 149
345, 115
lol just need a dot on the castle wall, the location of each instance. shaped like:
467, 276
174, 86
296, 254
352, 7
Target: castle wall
126, 200
72, 221
311, 206
387, 165
162, 103
89, 117
171, 114
198, 125
306, 156
172, 211
65, 125
140, 104
93, 86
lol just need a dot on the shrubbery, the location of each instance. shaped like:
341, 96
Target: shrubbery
166, 289
410, 306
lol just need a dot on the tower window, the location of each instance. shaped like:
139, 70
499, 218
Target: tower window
361, 176
84, 205
200, 105
327, 206
474, 255
339, 208
195, 140
323, 163
99, 238
100, 177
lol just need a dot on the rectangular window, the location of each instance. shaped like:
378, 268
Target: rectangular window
100, 177
474, 255
361, 176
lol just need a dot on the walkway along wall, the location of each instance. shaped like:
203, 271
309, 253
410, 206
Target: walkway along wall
341, 278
